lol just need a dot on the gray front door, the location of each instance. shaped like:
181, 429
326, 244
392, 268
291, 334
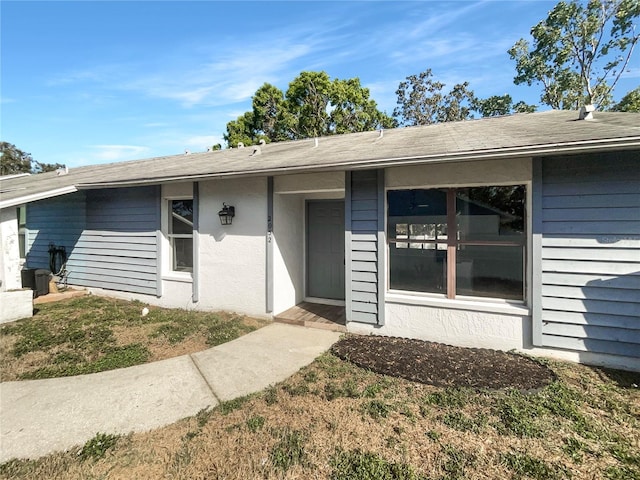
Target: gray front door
325, 249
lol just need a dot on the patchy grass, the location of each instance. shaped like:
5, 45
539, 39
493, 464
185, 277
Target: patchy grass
289, 450
369, 466
97, 447
524, 464
92, 334
584, 425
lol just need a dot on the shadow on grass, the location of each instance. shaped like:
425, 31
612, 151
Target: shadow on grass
621, 378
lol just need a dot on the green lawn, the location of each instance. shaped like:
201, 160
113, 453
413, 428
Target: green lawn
92, 334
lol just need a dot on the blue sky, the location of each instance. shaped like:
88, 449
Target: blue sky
88, 82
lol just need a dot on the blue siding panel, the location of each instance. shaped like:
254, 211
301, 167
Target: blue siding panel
131, 217
110, 236
59, 221
364, 205
589, 257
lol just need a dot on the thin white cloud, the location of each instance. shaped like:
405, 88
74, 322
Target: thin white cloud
631, 72
384, 93
155, 125
113, 153
202, 142
441, 20
199, 72
231, 78
96, 74
233, 114
219, 80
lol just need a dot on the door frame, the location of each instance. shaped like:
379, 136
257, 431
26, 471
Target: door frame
307, 298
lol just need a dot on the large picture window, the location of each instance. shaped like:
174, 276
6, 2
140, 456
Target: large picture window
180, 235
458, 241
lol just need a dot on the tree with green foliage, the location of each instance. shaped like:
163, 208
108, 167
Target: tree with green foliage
629, 103
313, 106
241, 130
14, 161
421, 101
308, 98
501, 105
270, 113
39, 167
353, 110
579, 52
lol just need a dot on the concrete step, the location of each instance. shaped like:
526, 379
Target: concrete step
324, 325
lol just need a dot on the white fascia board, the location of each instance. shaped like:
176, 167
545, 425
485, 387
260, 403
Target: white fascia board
37, 196
15, 175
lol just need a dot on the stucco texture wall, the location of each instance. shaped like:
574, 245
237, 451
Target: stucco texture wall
232, 258
10, 257
288, 251
452, 326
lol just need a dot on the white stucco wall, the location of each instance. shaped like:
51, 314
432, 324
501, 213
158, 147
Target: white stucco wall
10, 256
232, 269
494, 172
309, 183
15, 304
453, 325
177, 294
288, 251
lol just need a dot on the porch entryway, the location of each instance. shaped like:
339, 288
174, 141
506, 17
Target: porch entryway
315, 315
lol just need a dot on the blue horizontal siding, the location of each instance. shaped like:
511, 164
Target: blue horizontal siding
58, 221
365, 210
110, 236
125, 257
589, 259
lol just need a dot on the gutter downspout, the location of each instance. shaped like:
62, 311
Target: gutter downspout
195, 285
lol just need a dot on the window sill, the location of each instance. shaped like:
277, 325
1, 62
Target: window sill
458, 304
178, 277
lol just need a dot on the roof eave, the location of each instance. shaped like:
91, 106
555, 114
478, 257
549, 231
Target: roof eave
475, 155
34, 197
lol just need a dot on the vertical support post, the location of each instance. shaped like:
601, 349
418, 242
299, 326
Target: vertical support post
195, 285
269, 239
347, 246
159, 241
452, 243
382, 248
535, 301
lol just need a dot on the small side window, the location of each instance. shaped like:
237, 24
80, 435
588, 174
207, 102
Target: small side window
22, 231
180, 235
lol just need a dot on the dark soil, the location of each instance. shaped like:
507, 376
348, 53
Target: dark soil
443, 365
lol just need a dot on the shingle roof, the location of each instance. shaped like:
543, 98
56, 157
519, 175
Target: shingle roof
536, 134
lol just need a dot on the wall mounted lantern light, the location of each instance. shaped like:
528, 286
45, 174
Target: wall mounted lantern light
226, 214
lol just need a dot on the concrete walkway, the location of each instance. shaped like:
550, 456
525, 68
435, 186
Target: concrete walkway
38, 417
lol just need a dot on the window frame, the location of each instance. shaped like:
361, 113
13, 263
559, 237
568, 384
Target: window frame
168, 202
453, 242
23, 233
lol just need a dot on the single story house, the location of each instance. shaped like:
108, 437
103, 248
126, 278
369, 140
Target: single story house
518, 232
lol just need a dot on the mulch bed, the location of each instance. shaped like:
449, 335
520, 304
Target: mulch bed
443, 365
